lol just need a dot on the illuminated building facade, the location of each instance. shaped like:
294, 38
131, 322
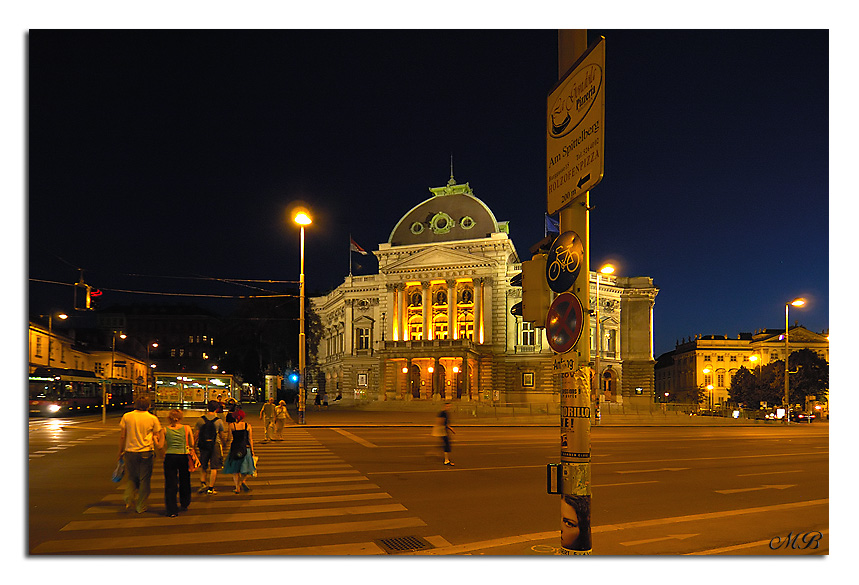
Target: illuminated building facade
435, 322
711, 361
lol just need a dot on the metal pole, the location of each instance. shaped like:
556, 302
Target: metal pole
598, 375
573, 367
786, 372
50, 336
301, 381
104, 386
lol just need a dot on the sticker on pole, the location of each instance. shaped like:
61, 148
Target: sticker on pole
564, 322
565, 260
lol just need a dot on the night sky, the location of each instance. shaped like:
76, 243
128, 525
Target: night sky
156, 154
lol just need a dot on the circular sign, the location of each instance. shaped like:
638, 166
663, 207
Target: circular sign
564, 262
564, 322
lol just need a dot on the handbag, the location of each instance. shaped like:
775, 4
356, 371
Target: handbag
193, 460
118, 471
256, 460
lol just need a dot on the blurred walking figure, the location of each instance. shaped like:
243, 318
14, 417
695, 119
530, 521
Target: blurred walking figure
240, 461
179, 442
317, 402
281, 415
443, 429
140, 432
267, 415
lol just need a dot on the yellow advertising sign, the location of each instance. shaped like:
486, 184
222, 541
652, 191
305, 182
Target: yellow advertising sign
575, 115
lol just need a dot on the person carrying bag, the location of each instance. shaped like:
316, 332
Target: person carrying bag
179, 459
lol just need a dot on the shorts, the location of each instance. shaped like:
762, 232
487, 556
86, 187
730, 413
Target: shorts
446, 443
211, 459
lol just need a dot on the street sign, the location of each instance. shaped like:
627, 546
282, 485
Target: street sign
565, 260
564, 322
575, 115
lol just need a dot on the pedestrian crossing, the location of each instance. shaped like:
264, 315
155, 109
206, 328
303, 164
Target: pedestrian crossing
305, 501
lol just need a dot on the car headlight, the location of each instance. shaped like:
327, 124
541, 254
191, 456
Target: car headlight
53, 407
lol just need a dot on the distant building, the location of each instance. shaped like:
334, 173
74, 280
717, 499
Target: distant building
435, 322
712, 360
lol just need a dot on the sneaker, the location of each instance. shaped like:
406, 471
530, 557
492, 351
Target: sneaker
203, 489
449, 463
246, 487
211, 491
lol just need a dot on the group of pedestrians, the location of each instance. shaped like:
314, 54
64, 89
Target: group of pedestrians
141, 435
274, 418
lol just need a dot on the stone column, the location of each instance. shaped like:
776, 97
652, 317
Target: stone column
478, 310
636, 324
426, 309
451, 307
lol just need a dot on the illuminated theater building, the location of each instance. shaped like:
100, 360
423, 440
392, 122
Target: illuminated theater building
435, 322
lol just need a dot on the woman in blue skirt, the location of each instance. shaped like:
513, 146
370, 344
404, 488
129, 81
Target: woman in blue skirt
240, 461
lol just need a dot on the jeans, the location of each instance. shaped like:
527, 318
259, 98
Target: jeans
138, 472
269, 428
177, 479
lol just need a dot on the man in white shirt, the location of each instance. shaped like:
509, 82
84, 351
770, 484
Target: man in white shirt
140, 432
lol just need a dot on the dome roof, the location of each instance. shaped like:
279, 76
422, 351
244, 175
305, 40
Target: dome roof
452, 213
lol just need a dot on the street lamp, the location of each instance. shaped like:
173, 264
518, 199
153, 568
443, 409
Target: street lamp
112, 374
302, 219
796, 303
606, 269
709, 388
50, 317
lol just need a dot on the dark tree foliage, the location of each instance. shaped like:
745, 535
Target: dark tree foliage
809, 377
262, 337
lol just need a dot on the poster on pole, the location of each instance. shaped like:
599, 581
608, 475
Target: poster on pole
575, 122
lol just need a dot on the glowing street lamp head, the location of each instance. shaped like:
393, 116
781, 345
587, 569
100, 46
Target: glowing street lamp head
798, 302
301, 218
62, 316
607, 269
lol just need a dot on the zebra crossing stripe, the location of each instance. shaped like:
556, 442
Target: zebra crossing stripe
118, 543
241, 516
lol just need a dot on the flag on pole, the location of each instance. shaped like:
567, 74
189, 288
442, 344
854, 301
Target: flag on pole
353, 247
553, 226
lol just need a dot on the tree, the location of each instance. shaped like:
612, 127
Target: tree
743, 388
811, 377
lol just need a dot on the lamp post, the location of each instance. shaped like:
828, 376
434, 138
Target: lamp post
112, 374
796, 303
50, 317
302, 219
606, 269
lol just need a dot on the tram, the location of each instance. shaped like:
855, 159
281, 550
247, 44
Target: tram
63, 392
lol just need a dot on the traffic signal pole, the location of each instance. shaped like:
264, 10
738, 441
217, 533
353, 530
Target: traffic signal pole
573, 473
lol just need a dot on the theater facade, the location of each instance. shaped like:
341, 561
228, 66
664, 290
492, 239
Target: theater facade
435, 322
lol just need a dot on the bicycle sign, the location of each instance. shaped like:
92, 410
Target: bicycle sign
564, 262
564, 322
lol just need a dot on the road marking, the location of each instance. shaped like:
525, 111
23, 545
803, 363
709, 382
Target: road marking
261, 503
555, 534
236, 518
357, 439
729, 457
601, 485
755, 489
727, 549
446, 469
651, 540
349, 549
183, 539
654, 470
769, 472
709, 515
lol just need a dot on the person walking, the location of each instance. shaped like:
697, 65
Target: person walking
281, 415
267, 415
179, 443
240, 461
210, 437
443, 429
140, 432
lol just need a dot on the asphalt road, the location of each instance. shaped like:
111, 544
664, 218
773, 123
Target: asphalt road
365, 490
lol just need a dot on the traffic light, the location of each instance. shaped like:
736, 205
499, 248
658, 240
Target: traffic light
536, 294
83, 299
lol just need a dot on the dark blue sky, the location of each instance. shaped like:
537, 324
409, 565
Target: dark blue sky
177, 153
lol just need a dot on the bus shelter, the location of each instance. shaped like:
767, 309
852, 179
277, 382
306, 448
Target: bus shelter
186, 391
